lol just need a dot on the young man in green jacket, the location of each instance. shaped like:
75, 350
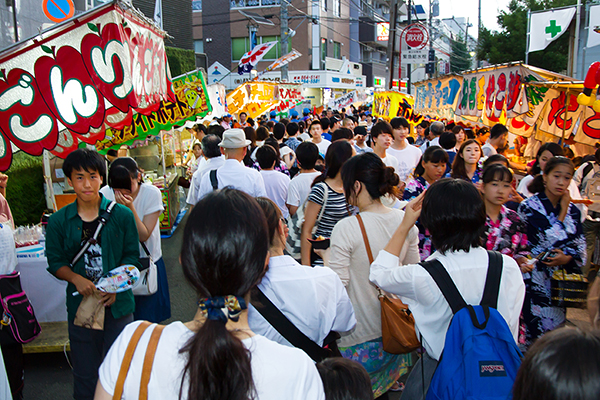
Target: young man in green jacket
68, 229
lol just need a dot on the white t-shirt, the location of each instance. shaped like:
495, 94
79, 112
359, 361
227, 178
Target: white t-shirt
148, 201
408, 158
488, 149
276, 186
235, 174
390, 161
279, 372
323, 145
299, 188
209, 165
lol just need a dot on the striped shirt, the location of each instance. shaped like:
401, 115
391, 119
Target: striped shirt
336, 208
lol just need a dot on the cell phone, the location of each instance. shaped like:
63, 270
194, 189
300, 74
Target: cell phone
546, 255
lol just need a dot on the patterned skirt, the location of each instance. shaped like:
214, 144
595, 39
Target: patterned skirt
383, 368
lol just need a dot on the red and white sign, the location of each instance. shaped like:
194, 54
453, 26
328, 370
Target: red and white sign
414, 41
415, 36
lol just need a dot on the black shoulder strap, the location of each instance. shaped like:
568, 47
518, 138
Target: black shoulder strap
445, 283
213, 179
102, 220
492, 280
286, 328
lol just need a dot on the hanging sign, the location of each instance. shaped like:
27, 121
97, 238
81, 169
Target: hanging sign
414, 40
191, 103
256, 98
65, 79
438, 96
388, 105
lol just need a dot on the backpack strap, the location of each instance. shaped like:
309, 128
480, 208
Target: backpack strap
286, 328
126, 363
149, 360
443, 280
492, 280
586, 171
213, 179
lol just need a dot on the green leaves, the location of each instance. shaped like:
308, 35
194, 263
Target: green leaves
93, 27
47, 49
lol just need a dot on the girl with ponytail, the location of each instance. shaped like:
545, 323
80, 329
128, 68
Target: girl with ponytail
216, 356
365, 180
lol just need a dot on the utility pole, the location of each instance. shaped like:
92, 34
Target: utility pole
478, 33
284, 36
408, 66
430, 35
392, 43
16, 29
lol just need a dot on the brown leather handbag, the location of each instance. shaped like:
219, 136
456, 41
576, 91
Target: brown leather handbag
397, 322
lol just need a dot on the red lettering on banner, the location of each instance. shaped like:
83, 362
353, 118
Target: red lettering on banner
514, 88
557, 111
591, 126
490, 93
500, 96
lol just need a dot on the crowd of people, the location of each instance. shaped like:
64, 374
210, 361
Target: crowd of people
369, 201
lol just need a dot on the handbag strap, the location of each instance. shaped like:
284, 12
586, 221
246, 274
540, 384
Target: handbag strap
133, 342
286, 328
102, 220
145, 249
365, 238
213, 179
325, 197
149, 360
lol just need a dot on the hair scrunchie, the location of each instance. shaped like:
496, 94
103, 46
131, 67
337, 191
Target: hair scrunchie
222, 308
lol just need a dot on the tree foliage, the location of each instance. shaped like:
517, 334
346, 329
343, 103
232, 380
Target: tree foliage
460, 59
510, 43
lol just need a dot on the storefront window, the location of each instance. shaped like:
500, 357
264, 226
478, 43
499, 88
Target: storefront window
240, 46
337, 50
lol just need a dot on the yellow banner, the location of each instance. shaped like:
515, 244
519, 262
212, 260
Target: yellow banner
256, 98
388, 105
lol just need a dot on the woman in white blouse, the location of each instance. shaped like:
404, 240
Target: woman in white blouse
125, 186
365, 180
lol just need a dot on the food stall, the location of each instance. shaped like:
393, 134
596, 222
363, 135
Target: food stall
157, 147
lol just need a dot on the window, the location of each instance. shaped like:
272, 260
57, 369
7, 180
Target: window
337, 50
254, 3
323, 49
196, 5
199, 46
324, 5
337, 8
240, 46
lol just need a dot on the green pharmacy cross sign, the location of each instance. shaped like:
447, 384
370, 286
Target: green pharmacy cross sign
553, 29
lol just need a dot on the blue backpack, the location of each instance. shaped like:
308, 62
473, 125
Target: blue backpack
480, 358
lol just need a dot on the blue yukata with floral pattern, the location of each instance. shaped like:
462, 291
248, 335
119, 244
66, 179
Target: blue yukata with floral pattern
412, 190
475, 179
544, 233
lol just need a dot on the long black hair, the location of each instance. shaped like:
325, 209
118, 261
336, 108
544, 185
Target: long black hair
225, 245
537, 184
434, 154
337, 154
561, 365
553, 148
458, 165
496, 172
369, 169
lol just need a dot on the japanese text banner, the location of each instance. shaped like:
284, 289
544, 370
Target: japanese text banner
109, 61
388, 105
256, 98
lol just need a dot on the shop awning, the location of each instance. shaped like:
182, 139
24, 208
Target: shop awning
72, 81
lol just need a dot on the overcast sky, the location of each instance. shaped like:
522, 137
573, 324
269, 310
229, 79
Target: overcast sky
468, 9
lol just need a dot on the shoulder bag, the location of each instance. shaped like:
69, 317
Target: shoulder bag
291, 333
397, 323
18, 318
148, 283
148, 360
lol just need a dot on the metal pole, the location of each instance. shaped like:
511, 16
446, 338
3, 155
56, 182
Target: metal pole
284, 37
392, 43
408, 66
478, 33
576, 44
16, 29
528, 35
430, 37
